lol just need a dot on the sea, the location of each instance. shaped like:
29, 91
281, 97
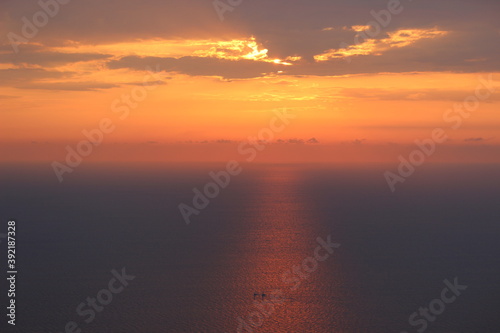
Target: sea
279, 248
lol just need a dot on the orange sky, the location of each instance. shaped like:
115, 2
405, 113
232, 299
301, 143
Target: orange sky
209, 89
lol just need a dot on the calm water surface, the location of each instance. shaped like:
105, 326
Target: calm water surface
395, 249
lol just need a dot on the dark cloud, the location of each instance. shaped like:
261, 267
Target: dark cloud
284, 27
148, 83
451, 53
427, 55
224, 141
355, 142
97, 21
295, 141
37, 78
199, 66
48, 59
477, 139
68, 86
18, 76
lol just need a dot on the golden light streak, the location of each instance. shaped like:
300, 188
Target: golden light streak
397, 39
235, 49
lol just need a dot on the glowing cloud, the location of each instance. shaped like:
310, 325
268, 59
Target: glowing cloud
235, 49
397, 39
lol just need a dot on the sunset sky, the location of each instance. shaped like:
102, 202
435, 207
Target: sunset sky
350, 80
